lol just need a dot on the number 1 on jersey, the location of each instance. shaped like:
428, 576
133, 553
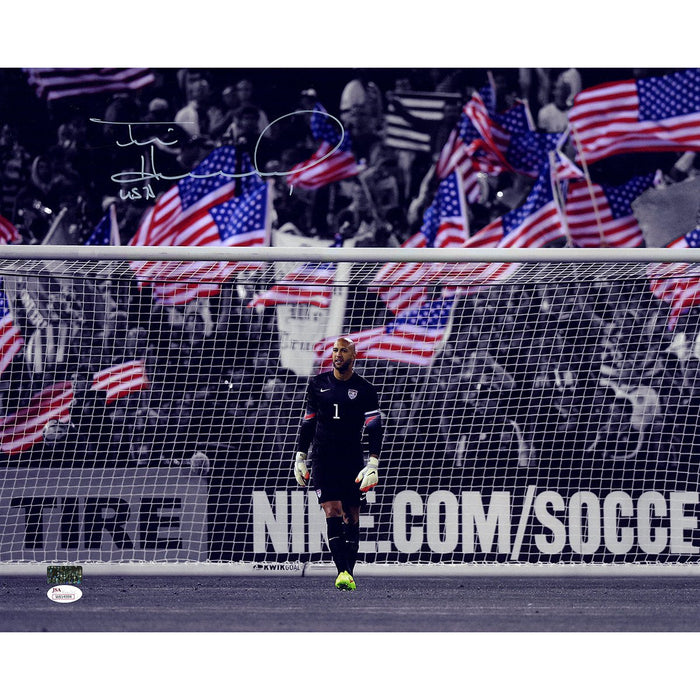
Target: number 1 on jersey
337, 415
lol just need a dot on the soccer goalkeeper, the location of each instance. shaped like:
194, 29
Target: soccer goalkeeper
339, 405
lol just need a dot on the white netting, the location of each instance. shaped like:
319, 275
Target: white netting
549, 416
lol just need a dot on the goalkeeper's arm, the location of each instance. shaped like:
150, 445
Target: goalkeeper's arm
308, 424
375, 432
306, 434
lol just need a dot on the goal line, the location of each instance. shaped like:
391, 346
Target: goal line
327, 569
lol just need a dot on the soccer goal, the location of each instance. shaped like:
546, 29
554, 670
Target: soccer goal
540, 407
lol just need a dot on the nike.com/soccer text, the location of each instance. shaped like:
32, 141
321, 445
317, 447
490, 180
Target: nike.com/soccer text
585, 523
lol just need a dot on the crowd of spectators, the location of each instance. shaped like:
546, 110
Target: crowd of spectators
536, 376
67, 156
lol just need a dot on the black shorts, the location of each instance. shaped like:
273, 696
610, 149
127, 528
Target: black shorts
349, 495
333, 477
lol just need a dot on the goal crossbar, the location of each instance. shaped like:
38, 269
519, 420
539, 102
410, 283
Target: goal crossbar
327, 254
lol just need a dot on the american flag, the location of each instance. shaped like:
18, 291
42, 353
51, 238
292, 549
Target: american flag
508, 141
221, 203
670, 281
121, 380
533, 224
401, 285
528, 151
414, 337
445, 225
21, 430
8, 232
470, 277
661, 113
11, 341
107, 230
601, 215
60, 83
563, 167
333, 159
310, 283
487, 143
492, 140
456, 156
425, 106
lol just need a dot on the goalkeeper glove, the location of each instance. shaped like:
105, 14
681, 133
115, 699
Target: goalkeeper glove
368, 477
301, 473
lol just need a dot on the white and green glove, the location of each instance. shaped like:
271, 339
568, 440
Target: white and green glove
301, 473
369, 476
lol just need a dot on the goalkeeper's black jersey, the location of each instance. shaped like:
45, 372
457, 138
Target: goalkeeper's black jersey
337, 412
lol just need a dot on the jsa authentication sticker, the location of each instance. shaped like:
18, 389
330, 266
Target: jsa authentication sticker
64, 594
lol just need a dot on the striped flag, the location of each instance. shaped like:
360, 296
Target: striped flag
492, 140
61, 83
456, 156
11, 341
649, 114
425, 107
533, 224
223, 202
332, 161
121, 380
487, 143
8, 232
508, 141
671, 282
563, 167
445, 225
414, 337
310, 283
470, 277
23, 429
601, 215
402, 285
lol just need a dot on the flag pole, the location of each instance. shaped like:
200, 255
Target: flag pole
559, 199
463, 206
528, 114
114, 234
492, 84
268, 213
589, 182
54, 227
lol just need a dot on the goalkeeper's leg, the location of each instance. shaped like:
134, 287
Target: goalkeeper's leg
336, 541
351, 527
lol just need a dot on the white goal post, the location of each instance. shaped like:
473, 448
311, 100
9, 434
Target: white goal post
540, 408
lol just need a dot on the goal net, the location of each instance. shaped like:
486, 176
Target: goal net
534, 412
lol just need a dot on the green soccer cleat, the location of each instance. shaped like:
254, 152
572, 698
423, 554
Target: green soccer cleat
345, 582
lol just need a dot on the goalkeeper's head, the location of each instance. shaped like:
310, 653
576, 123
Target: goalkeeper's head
344, 355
